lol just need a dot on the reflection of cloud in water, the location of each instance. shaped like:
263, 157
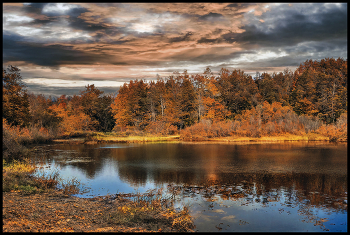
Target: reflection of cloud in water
208, 218
229, 217
218, 211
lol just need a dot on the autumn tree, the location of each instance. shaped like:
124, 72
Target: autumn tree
187, 102
315, 90
172, 112
120, 108
238, 90
159, 102
268, 88
15, 102
138, 103
209, 106
130, 107
97, 107
333, 88
275, 87
268, 119
201, 85
320, 89
199, 82
40, 112
304, 96
152, 101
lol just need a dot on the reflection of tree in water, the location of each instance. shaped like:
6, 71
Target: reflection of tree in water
135, 176
328, 190
138, 176
88, 162
324, 190
87, 159
307, 192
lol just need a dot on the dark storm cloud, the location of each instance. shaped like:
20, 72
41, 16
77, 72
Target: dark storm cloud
294, 28
210, 40
74, 18
77, 22
239, 5
210, 16
15, 48
41, 22
35, 8
326, 46
185, 37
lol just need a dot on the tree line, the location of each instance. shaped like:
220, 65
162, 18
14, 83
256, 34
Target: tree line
316, 90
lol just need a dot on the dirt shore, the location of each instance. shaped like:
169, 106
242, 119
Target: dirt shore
55, 212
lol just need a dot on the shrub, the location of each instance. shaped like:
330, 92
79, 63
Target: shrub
11, 141
161, 128
337, 131
205, 129
310, 123
14, 138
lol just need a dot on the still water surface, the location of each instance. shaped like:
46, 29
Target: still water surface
286, 187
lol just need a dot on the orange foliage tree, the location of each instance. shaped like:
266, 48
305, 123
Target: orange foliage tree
15, 98
72, 119
320, 89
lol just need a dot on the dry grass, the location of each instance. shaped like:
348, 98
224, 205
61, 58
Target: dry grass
95, 137
19, 176
152, 211
279, 138
55, 212
133, 138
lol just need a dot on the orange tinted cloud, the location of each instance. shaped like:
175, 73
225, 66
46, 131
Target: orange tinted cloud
121, 41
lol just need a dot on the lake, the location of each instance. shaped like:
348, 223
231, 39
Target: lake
247, 187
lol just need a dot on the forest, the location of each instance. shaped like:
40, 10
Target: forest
310, 100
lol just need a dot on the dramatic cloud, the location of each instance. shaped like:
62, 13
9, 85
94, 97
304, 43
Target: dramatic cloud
107, 44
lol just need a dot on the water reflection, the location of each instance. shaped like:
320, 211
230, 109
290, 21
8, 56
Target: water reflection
239, 185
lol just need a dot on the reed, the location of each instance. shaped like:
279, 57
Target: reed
151, 210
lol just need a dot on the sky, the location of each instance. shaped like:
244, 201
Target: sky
62, 47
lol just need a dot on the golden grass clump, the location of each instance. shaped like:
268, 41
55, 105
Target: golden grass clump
154, 212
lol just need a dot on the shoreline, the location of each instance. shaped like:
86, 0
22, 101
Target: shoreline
58, 210
66, 213
95, 138
53, 211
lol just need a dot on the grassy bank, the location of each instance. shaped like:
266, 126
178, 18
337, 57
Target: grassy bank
100, 137
18, 176
281, 138
114, 137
